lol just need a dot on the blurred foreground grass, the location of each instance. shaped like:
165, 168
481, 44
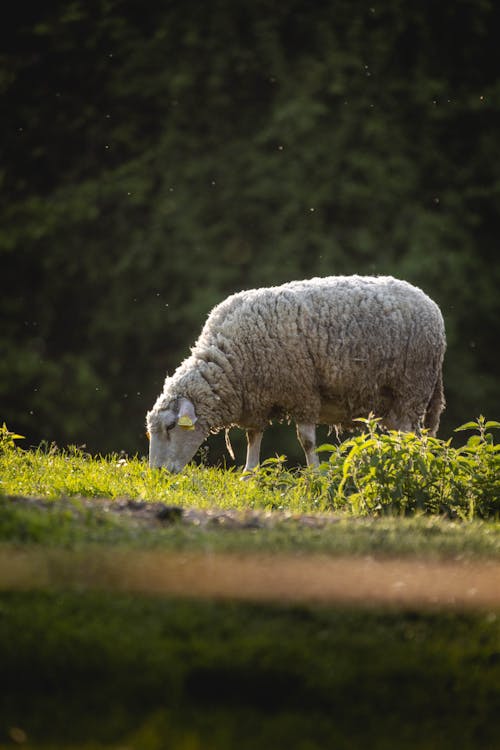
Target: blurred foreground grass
89, 670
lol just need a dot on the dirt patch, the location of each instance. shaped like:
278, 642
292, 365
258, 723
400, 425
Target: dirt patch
162, 514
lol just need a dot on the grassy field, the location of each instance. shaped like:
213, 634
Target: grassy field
369, 474
88, 668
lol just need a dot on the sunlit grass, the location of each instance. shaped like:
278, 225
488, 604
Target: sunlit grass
54, 474
388, 494
371, 474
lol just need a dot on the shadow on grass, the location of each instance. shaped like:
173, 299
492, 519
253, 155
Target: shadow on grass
89, 670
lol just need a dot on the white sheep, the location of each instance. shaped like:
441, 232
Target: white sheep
322, 351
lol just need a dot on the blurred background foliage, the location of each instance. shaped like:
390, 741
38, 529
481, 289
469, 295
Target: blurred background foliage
157, 156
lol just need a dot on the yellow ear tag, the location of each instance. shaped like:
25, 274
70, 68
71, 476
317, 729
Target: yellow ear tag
148, 435
186, 423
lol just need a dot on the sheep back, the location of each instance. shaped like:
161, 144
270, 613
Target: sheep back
325, 350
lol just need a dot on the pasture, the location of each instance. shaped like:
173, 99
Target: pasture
110, 638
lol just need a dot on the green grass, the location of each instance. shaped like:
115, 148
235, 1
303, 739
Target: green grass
389, 493
370, 474
72, 524
83, 670
87, 670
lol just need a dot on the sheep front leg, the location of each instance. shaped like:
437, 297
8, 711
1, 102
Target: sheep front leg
306, 434
254, 439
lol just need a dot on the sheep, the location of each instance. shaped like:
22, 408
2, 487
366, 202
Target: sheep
320, 351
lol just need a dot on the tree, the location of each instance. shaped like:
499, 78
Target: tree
156, 159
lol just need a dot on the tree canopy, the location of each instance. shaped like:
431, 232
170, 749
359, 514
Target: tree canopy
156, 157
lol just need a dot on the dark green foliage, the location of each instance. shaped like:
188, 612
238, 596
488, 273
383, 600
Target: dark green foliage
128, 671
155, 158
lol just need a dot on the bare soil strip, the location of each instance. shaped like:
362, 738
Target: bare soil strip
266, 578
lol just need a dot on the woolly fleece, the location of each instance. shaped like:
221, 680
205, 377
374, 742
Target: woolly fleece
321, 351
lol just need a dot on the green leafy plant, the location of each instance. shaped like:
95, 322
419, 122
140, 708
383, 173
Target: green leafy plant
377, 472
479, 462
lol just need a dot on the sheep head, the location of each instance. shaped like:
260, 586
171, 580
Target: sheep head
174, 434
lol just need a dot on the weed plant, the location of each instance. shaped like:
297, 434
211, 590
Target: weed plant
380, 472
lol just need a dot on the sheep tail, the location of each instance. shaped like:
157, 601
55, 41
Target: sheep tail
228, 445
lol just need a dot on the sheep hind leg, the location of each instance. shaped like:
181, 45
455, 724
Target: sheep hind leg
400, 424
306, 434
254, 439
435, 407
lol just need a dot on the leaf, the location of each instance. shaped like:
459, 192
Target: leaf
467, 426
474, 441
368, 443
492, 425
11, 435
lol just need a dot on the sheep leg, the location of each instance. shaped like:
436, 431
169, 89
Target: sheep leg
254, 439
399, 423
306, 434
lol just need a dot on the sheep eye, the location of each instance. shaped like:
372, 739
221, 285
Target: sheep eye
167, 420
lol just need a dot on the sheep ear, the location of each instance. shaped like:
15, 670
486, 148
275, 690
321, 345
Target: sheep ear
187, 416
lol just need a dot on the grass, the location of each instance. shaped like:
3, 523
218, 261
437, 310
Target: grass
389, 494
72, 524
85, 670
88, 670
370, 474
